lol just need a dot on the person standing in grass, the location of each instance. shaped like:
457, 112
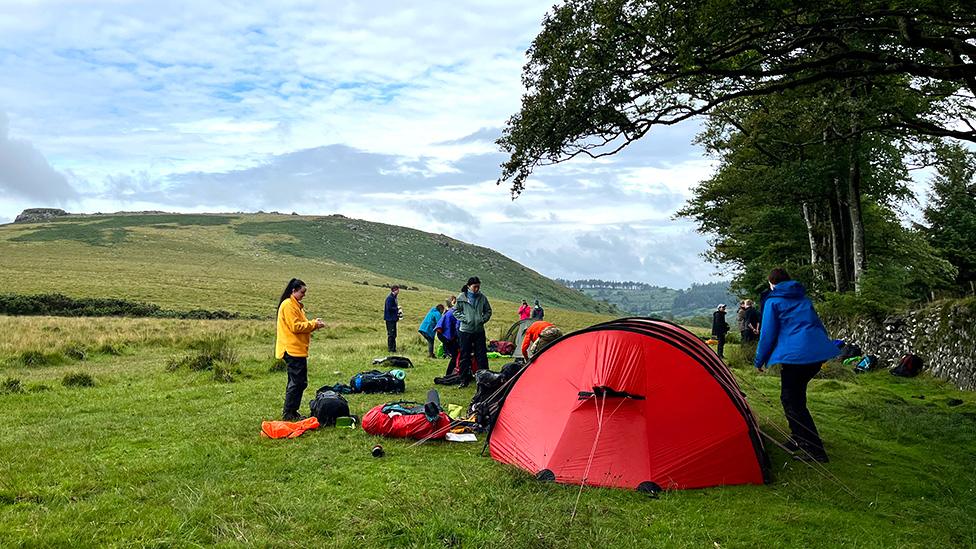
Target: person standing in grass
720, 328
538, 312
391, 314
447, 333
524, 311
749, 330
427, 327
473, 311
292, 338
793, 336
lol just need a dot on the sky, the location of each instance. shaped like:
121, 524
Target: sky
376, 110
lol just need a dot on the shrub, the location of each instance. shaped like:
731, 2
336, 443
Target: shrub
76, 352
77, 379
223, 373
208, 352
38, 358
62, 305
11, 385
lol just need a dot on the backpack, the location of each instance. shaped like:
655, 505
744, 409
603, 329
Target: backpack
328, 405
909, 366
375, 381
849, 350
867, 362
502, 347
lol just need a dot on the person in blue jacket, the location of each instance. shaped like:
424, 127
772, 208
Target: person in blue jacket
391, 315
447, 333
793, 336
427, 326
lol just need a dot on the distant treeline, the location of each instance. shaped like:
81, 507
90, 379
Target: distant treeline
62, 305
597, 284
657, 301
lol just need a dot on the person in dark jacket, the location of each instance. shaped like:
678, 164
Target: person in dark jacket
719, 328
793, 336
473, 311
538, 313
447, 333
750, 322
391, 314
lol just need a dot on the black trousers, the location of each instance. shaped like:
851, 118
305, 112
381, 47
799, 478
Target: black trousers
472, 343
721, 345
391, 335
793, 394
297, 382
451, 350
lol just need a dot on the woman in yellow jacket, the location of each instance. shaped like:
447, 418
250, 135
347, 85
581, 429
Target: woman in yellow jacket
291, 344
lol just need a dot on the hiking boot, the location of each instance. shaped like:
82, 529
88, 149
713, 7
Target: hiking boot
294, 416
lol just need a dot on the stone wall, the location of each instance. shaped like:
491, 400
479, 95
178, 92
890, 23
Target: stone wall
942, 334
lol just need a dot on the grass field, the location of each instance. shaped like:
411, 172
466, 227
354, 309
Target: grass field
158, 458
152, 457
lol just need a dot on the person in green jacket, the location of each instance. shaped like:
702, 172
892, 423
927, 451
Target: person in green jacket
472, 311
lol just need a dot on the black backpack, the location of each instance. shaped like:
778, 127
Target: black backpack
909, 366
375, 381
328, 405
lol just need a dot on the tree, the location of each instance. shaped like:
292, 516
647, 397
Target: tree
602, 73
951, 212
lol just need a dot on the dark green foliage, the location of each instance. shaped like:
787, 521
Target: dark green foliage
206, 356
38, 388
62, 305
98, 231
11, 385
77, 379
402, 253
951, 213
601, 74
38, 358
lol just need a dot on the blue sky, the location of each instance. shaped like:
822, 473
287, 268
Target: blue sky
382, 111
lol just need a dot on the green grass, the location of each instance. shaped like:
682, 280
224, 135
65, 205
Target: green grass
104, 446
152, 457
407, 254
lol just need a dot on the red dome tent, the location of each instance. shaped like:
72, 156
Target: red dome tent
632, 403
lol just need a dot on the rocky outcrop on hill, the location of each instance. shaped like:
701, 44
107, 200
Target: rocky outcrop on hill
35, 215
942, 334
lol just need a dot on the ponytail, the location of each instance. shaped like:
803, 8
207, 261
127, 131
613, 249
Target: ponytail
293, 285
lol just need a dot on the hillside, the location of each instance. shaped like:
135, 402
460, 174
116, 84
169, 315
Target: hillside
239, 262
647, 300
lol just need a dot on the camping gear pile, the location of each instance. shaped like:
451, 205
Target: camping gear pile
405, 419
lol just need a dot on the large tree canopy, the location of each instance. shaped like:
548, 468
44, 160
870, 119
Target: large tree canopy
602, 73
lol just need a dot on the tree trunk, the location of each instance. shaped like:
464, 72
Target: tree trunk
838, 240
809, 216
857, 222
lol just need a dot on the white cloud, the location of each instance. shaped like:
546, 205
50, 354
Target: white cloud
376, 110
